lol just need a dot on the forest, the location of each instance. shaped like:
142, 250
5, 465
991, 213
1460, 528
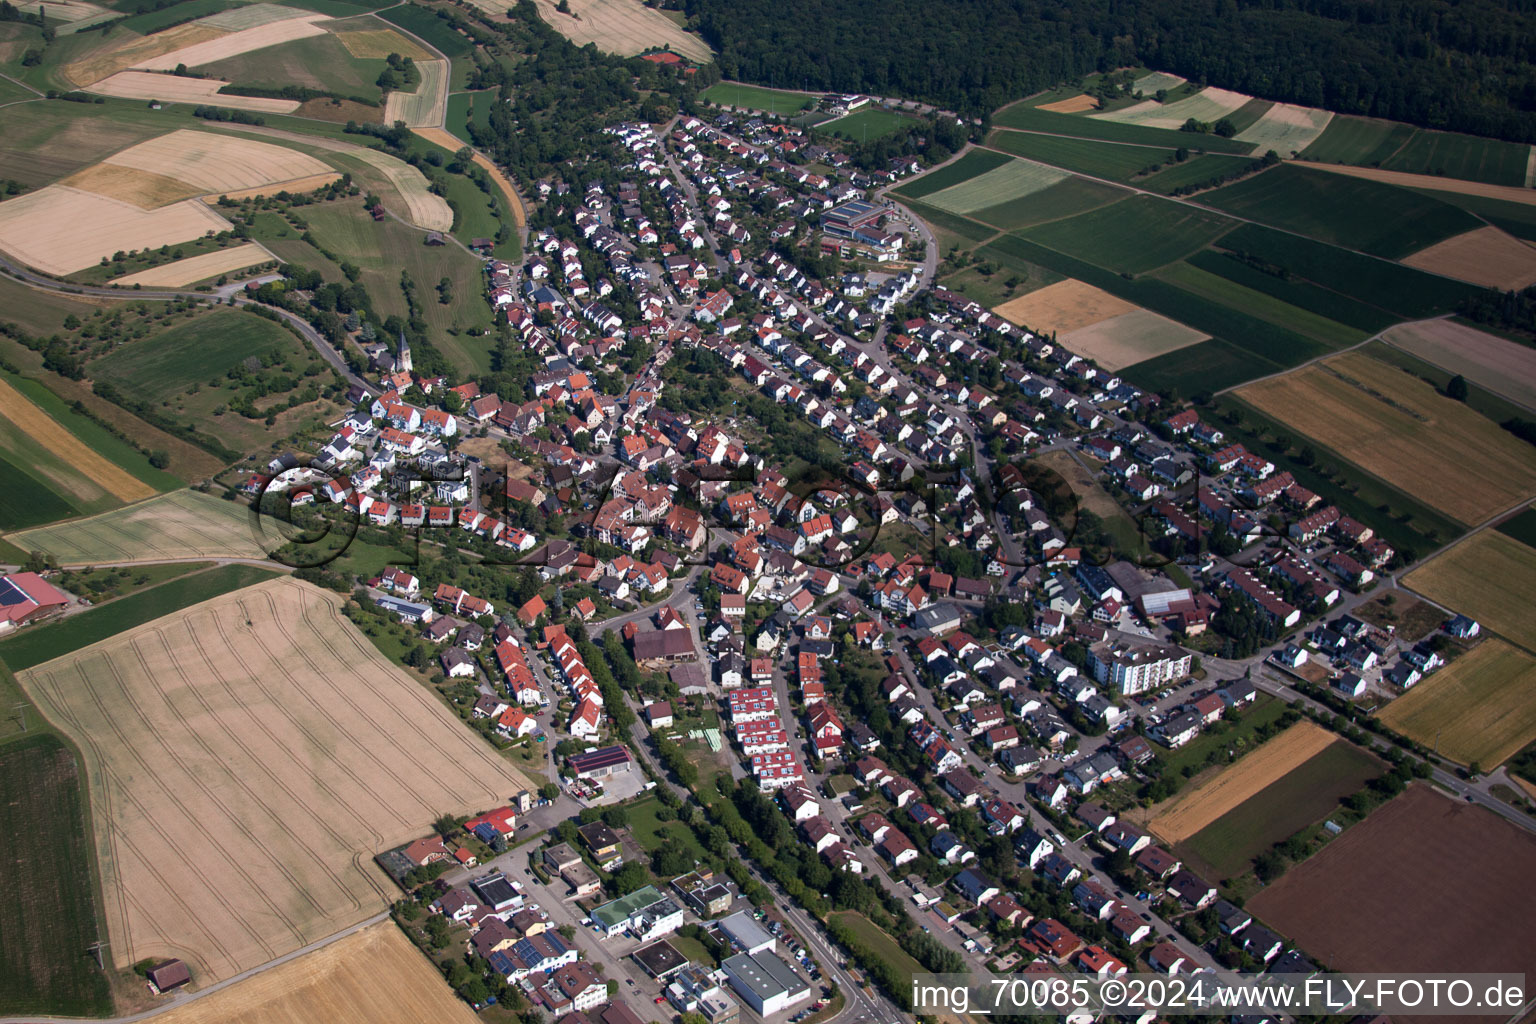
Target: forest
1466, 66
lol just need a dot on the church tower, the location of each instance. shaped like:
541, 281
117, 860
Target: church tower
403, 356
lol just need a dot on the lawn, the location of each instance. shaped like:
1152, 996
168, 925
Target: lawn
1297, 799
49, 917
1057, 202
974, 164
863, 125
1025, 118
315, 62
427, 26
754, 97
1085, 156
1135, 236
1354, 213
1358, 140
38, 644
652, 833
1480, 709
193, 352
1412, 294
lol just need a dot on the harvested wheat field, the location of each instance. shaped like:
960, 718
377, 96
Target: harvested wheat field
179, 526
1192, 810
218, 163
446, 139
368, 39
423, 208
428, 105
1480, 708
199, 268
233, 44
374, 976
144, 189
1395, 426
1510, 193
623, 27
1072, 105
1504, 367
295, 185
247, 758
39, 426
60, 230
1129, 338
1489, 576
1063, 306
1484, 256
1286, 129
131, 51
147, 85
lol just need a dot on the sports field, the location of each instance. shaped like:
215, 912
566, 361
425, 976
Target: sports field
623, 27
1480, 708
1140, 234
1484, 256
866, 124
1194, 809
1286, 129
1398, 428
1504, 367
754, 97
1207, 105
49, 915
1301, 796
178, 526
1489, 576
1010, 181
247, 757
1349, 212
375, 976
1363, 903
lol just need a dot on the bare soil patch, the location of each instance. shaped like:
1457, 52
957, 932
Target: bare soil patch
1192, 810
1383, 897
1504, 367
248, 756
1485, 256
1074, 105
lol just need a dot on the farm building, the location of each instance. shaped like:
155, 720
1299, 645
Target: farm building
172, 974
25, 596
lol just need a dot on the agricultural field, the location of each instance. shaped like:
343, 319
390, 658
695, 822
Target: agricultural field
1399, 147
1209, 105
425, 25
1362, 141
49, 916
428, 105
1266, 307
1064, 199
1010, 181
1194, 809
1022, 117
1081, 103
625, 28
755, 97
1294, 291
1349, 212
371, 40
1301, 796
863, 125
1480, 709
1134, 236
1084, 156
195, 352
375, 976
150, 85
319, 61
60, 230
1064, 306
421, 206
1521, 526
1490, 577
178, 526
1093, 323
233, 42
1286, 129
1360, 905
209, 733
198, 268
972, 165
1194, 172
1483, 256
37, 644
1504, 367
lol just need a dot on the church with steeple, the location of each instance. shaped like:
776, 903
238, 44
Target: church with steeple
403, 355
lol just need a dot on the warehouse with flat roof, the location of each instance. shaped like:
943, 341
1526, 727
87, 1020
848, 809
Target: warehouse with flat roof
745, 933
765, 982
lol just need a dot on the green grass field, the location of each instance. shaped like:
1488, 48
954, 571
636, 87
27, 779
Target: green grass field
878, 942
1358, 140
1057, 202
460, 110
1264, 710
753, 97
951, 228
1412, 294
315, 62
974, 164
1258, 304
49, 916
193, 352
1301, 797
1516, 218
1023, 117
180, 526
652, 833
1085, 156
863, 125
1354, 213
427, 26
1316, 299
38, 644
1134, 236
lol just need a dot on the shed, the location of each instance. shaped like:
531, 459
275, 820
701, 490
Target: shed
171, 974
